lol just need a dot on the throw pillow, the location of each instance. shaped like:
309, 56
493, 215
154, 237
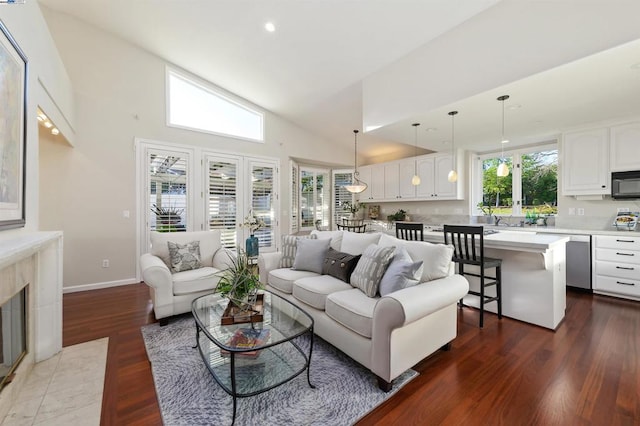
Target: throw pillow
289, 248
184, 257
370, 268
356, 243
339, 265
401, 273
310, 255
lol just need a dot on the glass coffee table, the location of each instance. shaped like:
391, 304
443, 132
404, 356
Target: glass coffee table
247, 359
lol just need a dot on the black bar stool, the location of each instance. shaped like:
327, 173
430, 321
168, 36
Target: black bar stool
412, 231
468, 243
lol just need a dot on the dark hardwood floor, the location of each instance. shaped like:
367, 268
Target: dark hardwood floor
509, 373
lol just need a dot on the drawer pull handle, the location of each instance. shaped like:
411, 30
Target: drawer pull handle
625, 268
623, 283
625, 254
625, 241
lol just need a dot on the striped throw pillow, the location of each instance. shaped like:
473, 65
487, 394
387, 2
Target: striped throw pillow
371, 267
289, 248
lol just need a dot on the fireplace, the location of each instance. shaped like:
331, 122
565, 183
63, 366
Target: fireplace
13, 335
31, 268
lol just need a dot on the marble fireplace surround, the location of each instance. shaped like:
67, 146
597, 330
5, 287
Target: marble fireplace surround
33, 260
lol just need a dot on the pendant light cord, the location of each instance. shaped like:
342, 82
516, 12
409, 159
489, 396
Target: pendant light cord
355, 154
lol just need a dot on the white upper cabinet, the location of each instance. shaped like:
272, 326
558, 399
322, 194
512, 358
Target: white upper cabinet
585, 162
391, 181
407, 171
433, 171
397, 180
364, 174
625, 147
373, 176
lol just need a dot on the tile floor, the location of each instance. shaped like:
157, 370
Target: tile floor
65, 389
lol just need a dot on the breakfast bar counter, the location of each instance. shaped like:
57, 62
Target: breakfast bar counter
533, 275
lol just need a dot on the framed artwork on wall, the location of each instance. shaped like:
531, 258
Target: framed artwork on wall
13, 131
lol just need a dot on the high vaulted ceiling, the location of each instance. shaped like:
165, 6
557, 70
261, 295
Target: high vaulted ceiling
335, 65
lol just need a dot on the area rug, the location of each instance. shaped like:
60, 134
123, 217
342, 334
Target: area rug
188, 395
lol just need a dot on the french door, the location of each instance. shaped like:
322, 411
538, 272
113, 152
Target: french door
190, 189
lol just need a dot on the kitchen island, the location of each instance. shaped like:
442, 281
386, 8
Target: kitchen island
533, 275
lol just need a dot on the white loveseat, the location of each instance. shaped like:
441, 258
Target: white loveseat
387, 334
172, 292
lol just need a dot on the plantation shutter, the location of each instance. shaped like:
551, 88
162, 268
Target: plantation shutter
263, 201
222, 198
167, 194
340, 194
295, 198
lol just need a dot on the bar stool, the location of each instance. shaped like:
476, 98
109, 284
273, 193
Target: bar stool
411, 231
468, 243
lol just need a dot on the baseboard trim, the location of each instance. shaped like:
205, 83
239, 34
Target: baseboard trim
96, 286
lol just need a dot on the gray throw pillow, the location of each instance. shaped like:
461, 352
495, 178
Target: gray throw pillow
184, 257
310, 255
370, 268
401, 273
289, 248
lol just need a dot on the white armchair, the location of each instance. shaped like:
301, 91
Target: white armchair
172, 292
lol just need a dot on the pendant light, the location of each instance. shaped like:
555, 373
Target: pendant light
503, 169
357, 186
415, 180
453, 175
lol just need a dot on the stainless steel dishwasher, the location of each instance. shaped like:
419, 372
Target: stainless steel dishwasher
579, 262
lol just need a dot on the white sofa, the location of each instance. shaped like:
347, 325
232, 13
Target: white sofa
173, 292
387, 334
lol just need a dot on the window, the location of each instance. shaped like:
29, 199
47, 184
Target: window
195, 106
315, 197
222, 200
295, 196
531, 186
263, 200
167, 191
340, 194
189, 189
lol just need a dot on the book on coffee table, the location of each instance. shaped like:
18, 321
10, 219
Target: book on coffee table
247, 338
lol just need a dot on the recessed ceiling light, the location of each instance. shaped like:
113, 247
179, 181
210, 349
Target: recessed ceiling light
55, 131
516, 106
430, 129
269, 26
505, 141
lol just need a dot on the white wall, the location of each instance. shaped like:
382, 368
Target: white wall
120, 95
480, 56
48, 86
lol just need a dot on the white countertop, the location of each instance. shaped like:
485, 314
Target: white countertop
524, 240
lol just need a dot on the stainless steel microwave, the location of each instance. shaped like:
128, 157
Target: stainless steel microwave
625, 184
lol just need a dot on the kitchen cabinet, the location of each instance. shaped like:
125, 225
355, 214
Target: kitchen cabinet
373, 176
433, 171
585, 162
625, 147
617, 266
391, 181
397, 180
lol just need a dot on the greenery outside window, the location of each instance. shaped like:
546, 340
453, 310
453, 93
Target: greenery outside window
530, 188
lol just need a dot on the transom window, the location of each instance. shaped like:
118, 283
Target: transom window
196, 106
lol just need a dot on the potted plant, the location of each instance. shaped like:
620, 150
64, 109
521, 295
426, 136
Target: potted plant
353, 208
253, 223
167, 218
397, 216
487, 210
239, 283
